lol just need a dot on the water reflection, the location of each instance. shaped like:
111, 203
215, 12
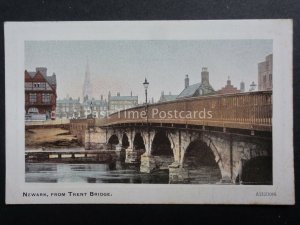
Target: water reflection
90, 173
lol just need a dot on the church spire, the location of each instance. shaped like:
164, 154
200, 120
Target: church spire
87, 85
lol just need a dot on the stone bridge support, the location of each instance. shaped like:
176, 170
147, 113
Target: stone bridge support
95, 138
147, 160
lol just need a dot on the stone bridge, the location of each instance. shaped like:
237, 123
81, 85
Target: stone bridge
229, 137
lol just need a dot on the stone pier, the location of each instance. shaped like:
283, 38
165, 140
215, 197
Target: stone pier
178, 174
131, 156
148, 164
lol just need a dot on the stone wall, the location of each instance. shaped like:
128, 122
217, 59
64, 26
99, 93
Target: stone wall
95, 138
78, 128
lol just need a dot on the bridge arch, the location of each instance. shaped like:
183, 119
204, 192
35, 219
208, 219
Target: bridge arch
139, 142
200, 160
257, 170
113, 141
162, 149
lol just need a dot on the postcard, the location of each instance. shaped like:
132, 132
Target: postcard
134, 112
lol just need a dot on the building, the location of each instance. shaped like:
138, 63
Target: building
198, 89
252, 87
96, 108
229, 88
40, 94
118, 102
165, 98
265, 69
68, 108
242, 86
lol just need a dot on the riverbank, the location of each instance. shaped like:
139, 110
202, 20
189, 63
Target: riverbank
49, 138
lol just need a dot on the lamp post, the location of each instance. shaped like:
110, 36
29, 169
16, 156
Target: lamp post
146, 84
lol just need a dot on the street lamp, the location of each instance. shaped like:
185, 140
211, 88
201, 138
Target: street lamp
146, 84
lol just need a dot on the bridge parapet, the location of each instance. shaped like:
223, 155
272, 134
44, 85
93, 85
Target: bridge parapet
250, 110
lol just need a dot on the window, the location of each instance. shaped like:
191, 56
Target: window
46, 98
265, 79
32, 97
270, 77
33, 110
39, 86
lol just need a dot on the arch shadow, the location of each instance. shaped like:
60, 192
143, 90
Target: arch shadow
199, 160
256, 171
112, 142
162, 151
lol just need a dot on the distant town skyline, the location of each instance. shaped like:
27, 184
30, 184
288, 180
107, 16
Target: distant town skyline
121, 66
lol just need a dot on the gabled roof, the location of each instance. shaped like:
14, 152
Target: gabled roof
189, 91
194, 90
50, 79
31, 74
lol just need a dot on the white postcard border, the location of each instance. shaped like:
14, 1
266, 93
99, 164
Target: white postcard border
280, 31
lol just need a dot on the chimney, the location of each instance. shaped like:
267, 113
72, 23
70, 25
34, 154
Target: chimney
204, 76
170, 93
186, 81
109, 95
228, 81
131, 93
242, 86
118, 93
101, 97
43, 70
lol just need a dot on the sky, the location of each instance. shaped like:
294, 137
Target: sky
121, 66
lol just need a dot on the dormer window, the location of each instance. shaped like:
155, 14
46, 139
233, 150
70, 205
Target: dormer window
40, 86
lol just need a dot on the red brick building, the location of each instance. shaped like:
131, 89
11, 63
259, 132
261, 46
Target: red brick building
229, 88
40, 94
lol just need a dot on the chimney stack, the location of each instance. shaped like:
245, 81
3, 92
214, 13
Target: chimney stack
186, 81
228, 81
43, 70
242, 86
205, 76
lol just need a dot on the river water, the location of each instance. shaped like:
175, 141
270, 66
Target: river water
114, 171
108, 173
90, 173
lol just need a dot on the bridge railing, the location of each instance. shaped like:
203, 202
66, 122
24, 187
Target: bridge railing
250, 110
